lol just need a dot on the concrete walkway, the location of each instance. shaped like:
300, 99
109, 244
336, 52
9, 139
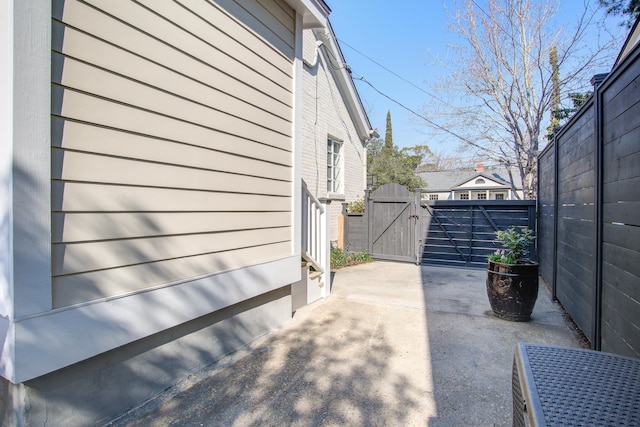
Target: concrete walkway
395, 344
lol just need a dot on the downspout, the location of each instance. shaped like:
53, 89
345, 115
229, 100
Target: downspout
316, 55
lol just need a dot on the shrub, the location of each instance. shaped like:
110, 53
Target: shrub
357, 206
341, 258
516, 243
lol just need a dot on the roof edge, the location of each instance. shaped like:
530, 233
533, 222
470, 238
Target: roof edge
314, 12
632, 40
346, 85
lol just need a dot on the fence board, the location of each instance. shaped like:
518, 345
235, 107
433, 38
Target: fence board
546, 213
596, 217
463, 233
354, 232
459, 233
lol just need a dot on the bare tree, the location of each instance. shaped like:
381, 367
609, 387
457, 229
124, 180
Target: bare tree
440, 160
501, 84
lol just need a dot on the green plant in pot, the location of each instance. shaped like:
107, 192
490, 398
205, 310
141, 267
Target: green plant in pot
512, 279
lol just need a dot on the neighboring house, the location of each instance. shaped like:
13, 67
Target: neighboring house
478, 184
632, 40
335, 131
150, 192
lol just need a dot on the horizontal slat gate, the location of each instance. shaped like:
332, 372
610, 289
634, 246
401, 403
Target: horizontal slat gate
462, 232
398, 226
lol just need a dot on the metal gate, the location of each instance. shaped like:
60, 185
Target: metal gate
399, 226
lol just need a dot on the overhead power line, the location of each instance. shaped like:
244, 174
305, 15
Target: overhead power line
390, 71
364, 80
431, 122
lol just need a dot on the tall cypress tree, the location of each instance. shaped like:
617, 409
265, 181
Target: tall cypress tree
391, 165
555, 92
388, 136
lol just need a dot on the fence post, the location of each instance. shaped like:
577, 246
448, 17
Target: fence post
598, 153
556, 210
532, 224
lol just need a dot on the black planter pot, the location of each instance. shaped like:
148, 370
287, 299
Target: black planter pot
512, 290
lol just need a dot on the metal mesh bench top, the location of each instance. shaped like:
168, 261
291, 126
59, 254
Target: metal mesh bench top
562, 386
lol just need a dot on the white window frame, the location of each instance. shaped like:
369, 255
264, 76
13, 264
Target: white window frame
334, 165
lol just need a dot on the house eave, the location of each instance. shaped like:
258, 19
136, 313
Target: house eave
346, 86
314, 12
483, 188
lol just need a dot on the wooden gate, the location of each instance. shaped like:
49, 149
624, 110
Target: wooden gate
391, 218
399, 226
462, 232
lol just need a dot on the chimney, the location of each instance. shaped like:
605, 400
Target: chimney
480, 167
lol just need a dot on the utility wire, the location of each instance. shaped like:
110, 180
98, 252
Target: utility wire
361, 78
364, 80
431, 122
392, 72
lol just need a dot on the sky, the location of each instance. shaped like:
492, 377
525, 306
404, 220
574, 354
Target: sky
405, 37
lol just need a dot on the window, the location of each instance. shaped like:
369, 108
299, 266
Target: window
482, 196
464, 196
433, 197
480, 181
499, 196
333, 166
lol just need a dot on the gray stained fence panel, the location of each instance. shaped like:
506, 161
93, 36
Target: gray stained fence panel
397, 225
462, 232
576, 219
354, 232
390, 214
620, 325
590, 216
546, 215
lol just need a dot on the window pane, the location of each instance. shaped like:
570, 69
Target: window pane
333, 166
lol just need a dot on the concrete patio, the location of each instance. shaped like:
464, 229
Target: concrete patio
394, 344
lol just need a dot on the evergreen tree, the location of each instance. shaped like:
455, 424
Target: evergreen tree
630, 9
388, 134
554, 103
392, 165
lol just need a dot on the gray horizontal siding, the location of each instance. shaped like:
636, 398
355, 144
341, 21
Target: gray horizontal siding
171, 142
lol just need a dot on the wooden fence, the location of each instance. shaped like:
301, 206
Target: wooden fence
589, 212
398, 225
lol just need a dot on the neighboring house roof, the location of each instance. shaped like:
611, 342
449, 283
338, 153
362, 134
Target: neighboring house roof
632, 39
500, 183
441, 181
